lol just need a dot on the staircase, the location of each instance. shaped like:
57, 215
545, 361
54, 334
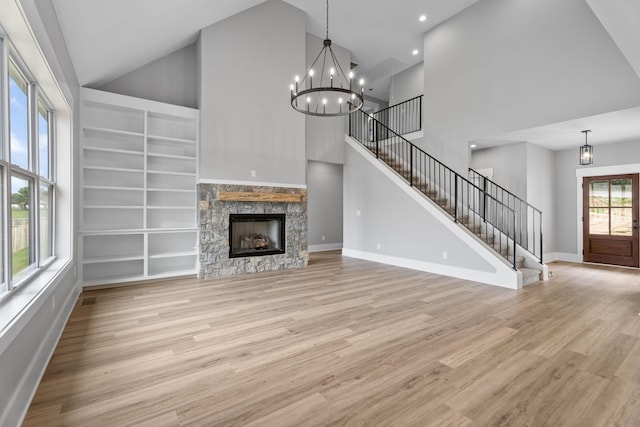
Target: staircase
506, 224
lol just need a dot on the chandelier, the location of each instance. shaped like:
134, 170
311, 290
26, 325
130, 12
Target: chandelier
333, 93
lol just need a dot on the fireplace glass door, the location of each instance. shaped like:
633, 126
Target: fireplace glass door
256, 234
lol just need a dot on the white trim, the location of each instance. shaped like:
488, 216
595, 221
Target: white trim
444, 270
562, 256
594, 171
608, 170
249, 183
325, 247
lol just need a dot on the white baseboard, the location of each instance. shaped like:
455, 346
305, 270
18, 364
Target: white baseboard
444, 270
562, 256
325, 247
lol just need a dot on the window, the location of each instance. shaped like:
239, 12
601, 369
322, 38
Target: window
3, 282
18, 118
46, 194
21, 229
26, 172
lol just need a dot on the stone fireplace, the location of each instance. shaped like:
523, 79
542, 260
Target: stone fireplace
248, 229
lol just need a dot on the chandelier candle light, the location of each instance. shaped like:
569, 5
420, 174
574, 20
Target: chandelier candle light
333, 94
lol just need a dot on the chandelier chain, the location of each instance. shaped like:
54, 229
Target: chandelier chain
327, 19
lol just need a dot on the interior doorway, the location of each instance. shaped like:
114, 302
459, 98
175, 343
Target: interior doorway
610, 219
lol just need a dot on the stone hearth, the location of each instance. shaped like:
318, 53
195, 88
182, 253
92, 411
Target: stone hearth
213, 223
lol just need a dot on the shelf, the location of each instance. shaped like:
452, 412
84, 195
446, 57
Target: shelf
171, 229
106, 187
171, 156
109, 131
114, 150
171, 139
110, 169
107, 259
173, 254
138, 188
190, 208
241, 196
171, 190
113, 207
155, 172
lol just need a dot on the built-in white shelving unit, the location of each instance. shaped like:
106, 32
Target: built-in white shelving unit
139, 162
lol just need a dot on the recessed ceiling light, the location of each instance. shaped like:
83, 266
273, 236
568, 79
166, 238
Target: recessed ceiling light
415, 51
473, 146
423, 18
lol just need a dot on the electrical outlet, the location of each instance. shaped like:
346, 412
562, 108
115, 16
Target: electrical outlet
445, 255
253, 173
379, 246
323, 238
358, 212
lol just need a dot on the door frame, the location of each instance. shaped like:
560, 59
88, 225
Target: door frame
595, 171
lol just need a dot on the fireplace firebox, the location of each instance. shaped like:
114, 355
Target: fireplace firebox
256, 234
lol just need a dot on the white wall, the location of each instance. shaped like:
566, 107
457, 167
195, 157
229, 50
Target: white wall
170, 79
247, 63
324, 195
504, 65
407, 84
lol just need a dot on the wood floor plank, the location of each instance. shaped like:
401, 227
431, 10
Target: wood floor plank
350, 342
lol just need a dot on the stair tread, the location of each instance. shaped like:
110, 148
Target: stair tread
529, 275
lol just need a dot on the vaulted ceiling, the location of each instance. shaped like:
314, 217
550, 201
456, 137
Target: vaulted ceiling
107, 39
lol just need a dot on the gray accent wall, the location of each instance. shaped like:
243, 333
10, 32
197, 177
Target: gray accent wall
247, 63
324, 192
503, 65
170, 79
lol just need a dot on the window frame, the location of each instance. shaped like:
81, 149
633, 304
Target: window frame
36, 101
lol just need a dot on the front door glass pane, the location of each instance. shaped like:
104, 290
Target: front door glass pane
621, 192
621, 220
599, 221
598, 193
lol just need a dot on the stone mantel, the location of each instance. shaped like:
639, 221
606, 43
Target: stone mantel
213, 227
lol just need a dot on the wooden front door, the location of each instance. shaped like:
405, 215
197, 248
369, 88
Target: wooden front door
610, 219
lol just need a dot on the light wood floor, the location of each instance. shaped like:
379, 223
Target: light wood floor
349, 342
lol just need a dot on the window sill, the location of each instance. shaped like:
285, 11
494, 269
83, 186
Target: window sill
19, 306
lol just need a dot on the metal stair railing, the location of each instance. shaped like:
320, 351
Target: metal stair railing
528, 217
403, 118
458, 196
